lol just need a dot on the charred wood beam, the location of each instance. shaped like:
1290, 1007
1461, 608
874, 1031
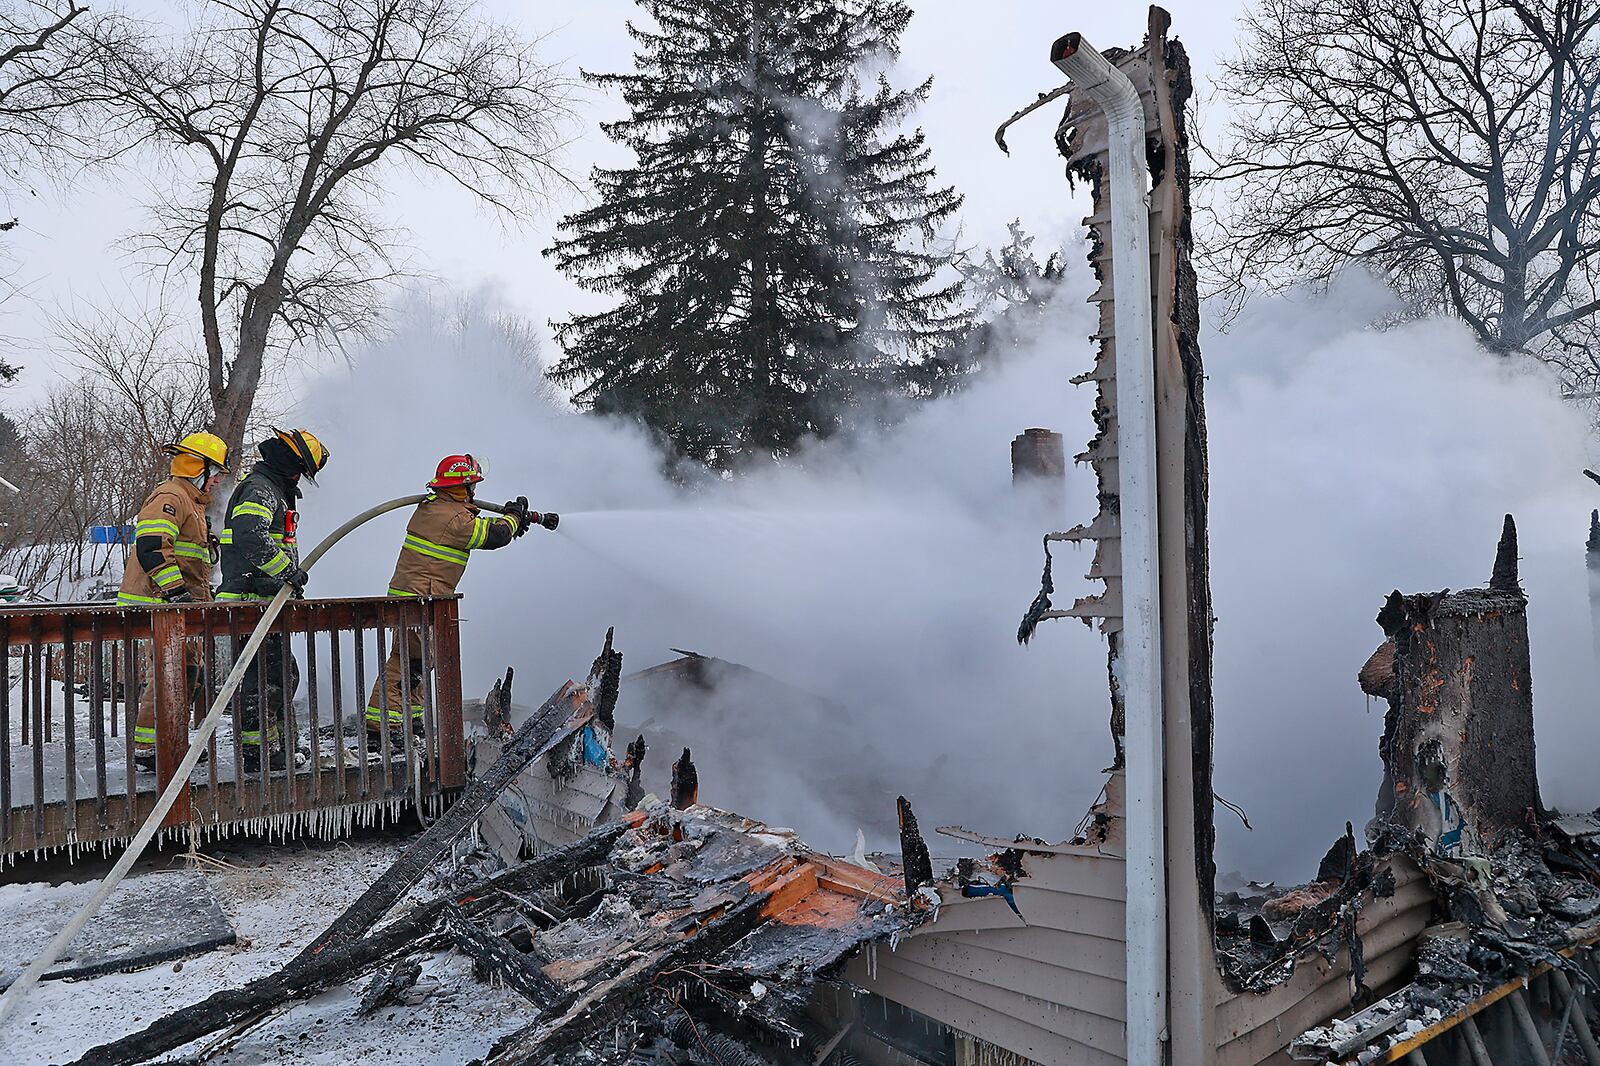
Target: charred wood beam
777, 1019
913, 849
493, 955
306, 976
602, 1005
389, 986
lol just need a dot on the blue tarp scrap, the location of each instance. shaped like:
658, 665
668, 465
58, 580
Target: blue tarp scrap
594, 752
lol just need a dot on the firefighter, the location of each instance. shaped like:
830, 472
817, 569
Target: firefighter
260, 555
443, 531
172, 557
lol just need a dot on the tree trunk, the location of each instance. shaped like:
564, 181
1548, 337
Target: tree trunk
231, 415
761, 311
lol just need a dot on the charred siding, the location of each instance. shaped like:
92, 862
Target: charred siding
1255, 1028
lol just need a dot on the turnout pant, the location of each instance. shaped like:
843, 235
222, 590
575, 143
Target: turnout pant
399, 692
264, 697
144, 729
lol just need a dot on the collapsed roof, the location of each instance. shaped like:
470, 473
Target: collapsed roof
678, 933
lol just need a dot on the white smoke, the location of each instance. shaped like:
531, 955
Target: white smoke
1347, 462
889, 576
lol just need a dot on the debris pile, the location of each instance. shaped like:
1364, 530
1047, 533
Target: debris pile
1261, 935
676, 933
1528, 908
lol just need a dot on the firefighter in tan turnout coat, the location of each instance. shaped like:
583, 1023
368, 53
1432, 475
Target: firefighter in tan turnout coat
171, 562
443, 532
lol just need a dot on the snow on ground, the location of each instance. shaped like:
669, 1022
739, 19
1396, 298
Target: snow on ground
279, 898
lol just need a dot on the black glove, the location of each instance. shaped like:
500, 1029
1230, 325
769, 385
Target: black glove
549, 520
296, 579
181, 594
518, 509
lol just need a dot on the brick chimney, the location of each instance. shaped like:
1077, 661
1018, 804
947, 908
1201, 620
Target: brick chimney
1038, 455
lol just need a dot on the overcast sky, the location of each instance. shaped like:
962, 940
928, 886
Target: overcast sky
986, 60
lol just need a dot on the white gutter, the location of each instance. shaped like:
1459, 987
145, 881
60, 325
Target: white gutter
1139, 657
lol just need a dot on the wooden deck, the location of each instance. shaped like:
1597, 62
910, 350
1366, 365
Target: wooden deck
67, 709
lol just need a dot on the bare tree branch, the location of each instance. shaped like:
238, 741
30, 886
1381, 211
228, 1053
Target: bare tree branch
1451, 145
294, 115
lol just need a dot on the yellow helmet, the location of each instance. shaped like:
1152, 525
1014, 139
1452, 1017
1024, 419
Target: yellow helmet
206, 446
312, 453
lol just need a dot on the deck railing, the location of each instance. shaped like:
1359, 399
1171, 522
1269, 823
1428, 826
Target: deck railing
70, 683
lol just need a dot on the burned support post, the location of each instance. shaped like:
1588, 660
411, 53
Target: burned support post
634, 764
497, 706
1504, 577
169, 676
605, 681
685, 782
1458, 741
913, 849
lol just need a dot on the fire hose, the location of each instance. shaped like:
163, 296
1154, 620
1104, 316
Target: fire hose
197, 744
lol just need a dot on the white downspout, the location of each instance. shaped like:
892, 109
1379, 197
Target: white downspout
1139, 659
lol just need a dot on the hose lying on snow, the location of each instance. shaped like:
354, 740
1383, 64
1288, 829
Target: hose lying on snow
197, 744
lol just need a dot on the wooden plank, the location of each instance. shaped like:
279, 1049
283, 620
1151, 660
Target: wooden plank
298, 615
69, 712
452, 734
36, 668
170, 682
64, 826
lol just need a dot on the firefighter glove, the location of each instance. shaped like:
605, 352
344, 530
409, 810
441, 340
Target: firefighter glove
518, 511
296, 579
180, 594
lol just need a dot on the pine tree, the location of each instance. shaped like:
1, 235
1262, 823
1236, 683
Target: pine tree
1009, 290
770, 246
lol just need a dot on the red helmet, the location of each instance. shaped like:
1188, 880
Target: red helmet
456, 470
